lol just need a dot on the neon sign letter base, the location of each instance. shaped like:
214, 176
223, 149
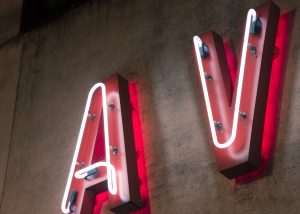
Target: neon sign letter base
105, 157
236, 113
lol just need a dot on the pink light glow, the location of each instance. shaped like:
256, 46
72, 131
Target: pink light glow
274, 97
231, 60
139, 146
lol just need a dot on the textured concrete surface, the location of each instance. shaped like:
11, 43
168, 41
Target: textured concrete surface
149, 42
10, 16
10, 59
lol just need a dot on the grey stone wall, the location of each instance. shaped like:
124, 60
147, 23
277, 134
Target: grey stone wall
150, 43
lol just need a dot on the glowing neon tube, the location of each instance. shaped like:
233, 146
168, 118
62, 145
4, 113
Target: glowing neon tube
111, 172
198, 43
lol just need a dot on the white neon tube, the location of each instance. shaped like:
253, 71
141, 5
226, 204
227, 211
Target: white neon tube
198, 43
111, 172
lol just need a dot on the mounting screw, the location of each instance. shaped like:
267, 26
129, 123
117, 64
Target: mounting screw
208, 76
204, 50
91, 116
114, 150
243, 115
252, 49
111, 106
218, 125
80, 164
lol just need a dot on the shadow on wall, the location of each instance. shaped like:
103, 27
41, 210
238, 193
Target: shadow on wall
274, 98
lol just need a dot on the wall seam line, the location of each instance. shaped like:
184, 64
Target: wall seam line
20, 37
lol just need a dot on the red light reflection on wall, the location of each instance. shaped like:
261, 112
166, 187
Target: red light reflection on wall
141, 164
274, 96
139, 146
100, 199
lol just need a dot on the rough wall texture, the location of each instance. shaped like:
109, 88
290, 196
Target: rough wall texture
149, 42
10, 56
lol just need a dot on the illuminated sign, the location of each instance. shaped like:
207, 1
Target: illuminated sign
236, 112
104, 157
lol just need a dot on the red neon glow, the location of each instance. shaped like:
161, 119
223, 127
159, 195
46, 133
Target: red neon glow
100, 201
141, 164
139, 146
231, 60
274, 97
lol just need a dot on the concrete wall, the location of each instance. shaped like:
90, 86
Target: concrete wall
10, 61
10, 58
149, 42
